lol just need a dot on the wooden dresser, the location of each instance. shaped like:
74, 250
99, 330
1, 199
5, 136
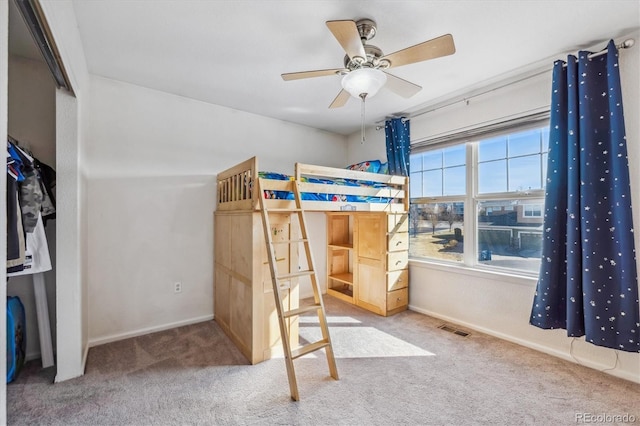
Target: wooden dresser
244, 305
368, 259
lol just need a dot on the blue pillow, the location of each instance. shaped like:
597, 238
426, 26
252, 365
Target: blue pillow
384, 168
371, 166
275, 176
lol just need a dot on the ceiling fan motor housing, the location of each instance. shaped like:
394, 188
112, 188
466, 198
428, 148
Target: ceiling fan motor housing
367, 30
374, 53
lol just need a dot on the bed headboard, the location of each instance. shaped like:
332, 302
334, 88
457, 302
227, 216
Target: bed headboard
235, 186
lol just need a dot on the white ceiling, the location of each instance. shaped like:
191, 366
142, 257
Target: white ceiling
232, 53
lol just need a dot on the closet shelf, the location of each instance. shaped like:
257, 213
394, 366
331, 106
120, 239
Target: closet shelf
348, 246
346, 277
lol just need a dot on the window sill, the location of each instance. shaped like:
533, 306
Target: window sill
478, 272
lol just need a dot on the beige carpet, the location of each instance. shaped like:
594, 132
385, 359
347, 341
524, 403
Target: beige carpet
401, 370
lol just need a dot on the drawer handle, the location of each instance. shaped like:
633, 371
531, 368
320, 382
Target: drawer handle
398, 299
398, 243
398, 262
399, 280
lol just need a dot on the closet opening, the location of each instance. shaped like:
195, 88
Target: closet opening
35, 74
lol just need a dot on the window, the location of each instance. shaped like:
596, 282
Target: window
504, 224
436, 230
512, 162
439, 172
532, 210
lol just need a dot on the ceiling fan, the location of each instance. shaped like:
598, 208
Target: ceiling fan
364, 71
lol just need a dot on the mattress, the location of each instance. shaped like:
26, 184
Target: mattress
311, 196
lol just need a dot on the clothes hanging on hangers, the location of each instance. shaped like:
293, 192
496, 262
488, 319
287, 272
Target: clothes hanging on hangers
15, 232
36, 254
30, 202
16, 248
48, 180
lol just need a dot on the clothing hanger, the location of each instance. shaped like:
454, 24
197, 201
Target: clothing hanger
25, 151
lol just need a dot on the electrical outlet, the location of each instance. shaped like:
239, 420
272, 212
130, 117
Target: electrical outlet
177, 287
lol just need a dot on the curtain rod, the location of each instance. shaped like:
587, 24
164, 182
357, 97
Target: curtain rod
624, 45
401, 117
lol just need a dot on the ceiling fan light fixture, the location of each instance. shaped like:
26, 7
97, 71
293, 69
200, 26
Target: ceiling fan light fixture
365, 81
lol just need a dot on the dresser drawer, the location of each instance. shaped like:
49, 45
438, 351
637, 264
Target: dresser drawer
397, 299
397, 260
398, 241
397, 279
398, 222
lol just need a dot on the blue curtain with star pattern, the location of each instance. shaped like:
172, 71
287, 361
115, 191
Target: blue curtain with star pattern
398, 145
588, 279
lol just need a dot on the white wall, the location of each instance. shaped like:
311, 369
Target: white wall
373, 148
71, 303
70, 347
152, 159
498, 304
32, 121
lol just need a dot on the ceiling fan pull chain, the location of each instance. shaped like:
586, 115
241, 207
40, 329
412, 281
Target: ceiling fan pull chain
363, 96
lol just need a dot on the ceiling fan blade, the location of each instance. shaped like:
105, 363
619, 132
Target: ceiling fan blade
340, 100
346, 32
435, 48
400, 86
310, 74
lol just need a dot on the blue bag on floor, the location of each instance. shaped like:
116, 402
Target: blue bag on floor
16, 337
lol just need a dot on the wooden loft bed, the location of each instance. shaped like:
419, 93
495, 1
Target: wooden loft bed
367, 247
235, 189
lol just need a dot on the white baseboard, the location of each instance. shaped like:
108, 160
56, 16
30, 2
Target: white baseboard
140, 332
536, 346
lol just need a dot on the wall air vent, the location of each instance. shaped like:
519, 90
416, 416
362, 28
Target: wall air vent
453, 330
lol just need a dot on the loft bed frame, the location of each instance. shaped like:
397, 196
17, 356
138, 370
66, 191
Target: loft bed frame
236, 189
243, 299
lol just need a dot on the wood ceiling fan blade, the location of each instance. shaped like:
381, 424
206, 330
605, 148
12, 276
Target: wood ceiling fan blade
340, 100
400, 86
434, 48
346, 32
311, 74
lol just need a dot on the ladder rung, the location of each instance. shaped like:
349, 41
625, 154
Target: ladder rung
301, 240
296, 274
302, 351
302, 310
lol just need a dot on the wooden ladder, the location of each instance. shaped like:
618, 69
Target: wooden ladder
279, 281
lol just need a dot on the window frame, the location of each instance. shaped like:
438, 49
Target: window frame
472, 198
